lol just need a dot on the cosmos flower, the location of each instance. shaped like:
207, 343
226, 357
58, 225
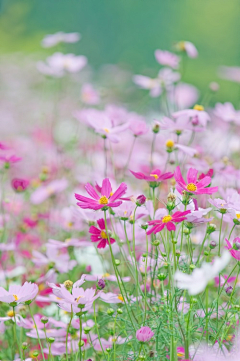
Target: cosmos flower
155, 176
60, 37
198, 280
19, 184
193, 185
166, 58
105, 200
100, 234
144, 334
227, 112
45, 191
137, 124
19, 294
167, 221
197, 115
89, 95
10, 159
188, 47
234, 248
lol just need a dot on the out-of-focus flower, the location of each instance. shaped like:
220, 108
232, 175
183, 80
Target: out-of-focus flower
45, 191
198, 280
166, 58
188, 47
110, 297
19, 294
155, 176
59, 64
197, 115
60, 37
167, 221
230, 73
89, 95
100, 234
9, 159
227, 112
105, 200
193, 186
144, 334
234, 248
19, 184
137, 125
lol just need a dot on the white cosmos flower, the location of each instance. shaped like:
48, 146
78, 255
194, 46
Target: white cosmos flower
198, 280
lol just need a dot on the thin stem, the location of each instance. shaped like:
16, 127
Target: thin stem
39, 341
69, 325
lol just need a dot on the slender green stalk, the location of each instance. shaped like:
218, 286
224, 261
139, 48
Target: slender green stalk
39, 341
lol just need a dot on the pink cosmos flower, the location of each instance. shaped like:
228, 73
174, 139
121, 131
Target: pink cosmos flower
167, 221
184, 95
110, 297
10, 159
137, 124
164, 57
59, 64
60, 37
19, 185
234, 250
193, 185
219, 203
89, 95
79, 296
230, 73
197, 115
227, 112
180, 125
45, 191
19, 294
144, 334
105, 200
100, 234
188, 47
75, 242
155, 176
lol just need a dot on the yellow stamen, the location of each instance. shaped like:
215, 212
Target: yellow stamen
229, 337
191, 187
15, 297
111, 194
154, 175
198, 107
78, 298
120, 297
180, 354
169, 143
10, 313
103, 235
238, 215
103, 200
166, 219
106, 130
19, 188
106, 275
41, 287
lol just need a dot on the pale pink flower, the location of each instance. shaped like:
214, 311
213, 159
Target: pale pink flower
19, 294
164, 57
60, 37
89, 95
45, 191
59, 64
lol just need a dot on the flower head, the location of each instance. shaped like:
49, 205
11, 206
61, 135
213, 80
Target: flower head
144, 334
164, 57
19, 185
235, 248
100, 234
167, 221
106, 199
18, 294
155, 176
193, 185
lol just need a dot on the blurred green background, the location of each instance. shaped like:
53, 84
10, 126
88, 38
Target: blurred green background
127, 32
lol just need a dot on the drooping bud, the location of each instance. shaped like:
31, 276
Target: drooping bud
101, 284
140, 200
110, 311
229, 290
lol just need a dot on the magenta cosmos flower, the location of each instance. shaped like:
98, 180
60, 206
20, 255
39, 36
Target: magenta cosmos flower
100, 234
19, 185
167, 221
235, 248
144, 334
155, 176
18, 294
193, 185
107, 198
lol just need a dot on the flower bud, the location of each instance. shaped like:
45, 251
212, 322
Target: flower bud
144, 226
212, 244
211, 228
24, 345
81, 344
51, 339
88, 268
117, 262
119, 311
35, 353
156, 242
237, 244
178, 253
44, 320
161, 276
101, 284
206, 253
213, 86
140, 200
108, 350
110, 311
68, 285
156, 127
229, 290
86, 330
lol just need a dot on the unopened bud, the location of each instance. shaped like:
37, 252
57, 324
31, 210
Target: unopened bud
110, 311
211, 228
156, 242
212, 244
68, 284
140, 200
119, 311
44, 320
229, 290
156, 127
51, 339
101, 284
81, 344
161, 276
24, 345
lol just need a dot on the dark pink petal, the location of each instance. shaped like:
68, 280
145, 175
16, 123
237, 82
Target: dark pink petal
106, 188
119, 192
112, 240
178, 176
91, 191
138, 175
114, 204
95, 238
81, 198
159, 228
204, 182
208, 190
101, 223
156, 171
192, 175
180, 214
89, 205
94, 230
167, 175
171, 226
102, 244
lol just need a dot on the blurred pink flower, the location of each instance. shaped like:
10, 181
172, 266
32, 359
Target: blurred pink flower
89, 95
230, 73
60, 37
19, 184
45, 191
164, 57
137, 124
144, 334
188, 47
155, 176
227, 112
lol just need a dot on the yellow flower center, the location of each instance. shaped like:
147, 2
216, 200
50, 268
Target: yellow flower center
169, 143
192, 187
19, 188
180, 354
103, 200
166, 219
120, 297
111, 194
10, 313
103, 235
106, 275
41, 287
154, 175
78, 298
238, 215
229, 337
198, 107
15, 297
106, 130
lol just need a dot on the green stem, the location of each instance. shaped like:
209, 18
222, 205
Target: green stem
15, 334
69, 325
39, 341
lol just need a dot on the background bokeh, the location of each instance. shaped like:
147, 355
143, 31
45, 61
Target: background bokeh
126, 32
